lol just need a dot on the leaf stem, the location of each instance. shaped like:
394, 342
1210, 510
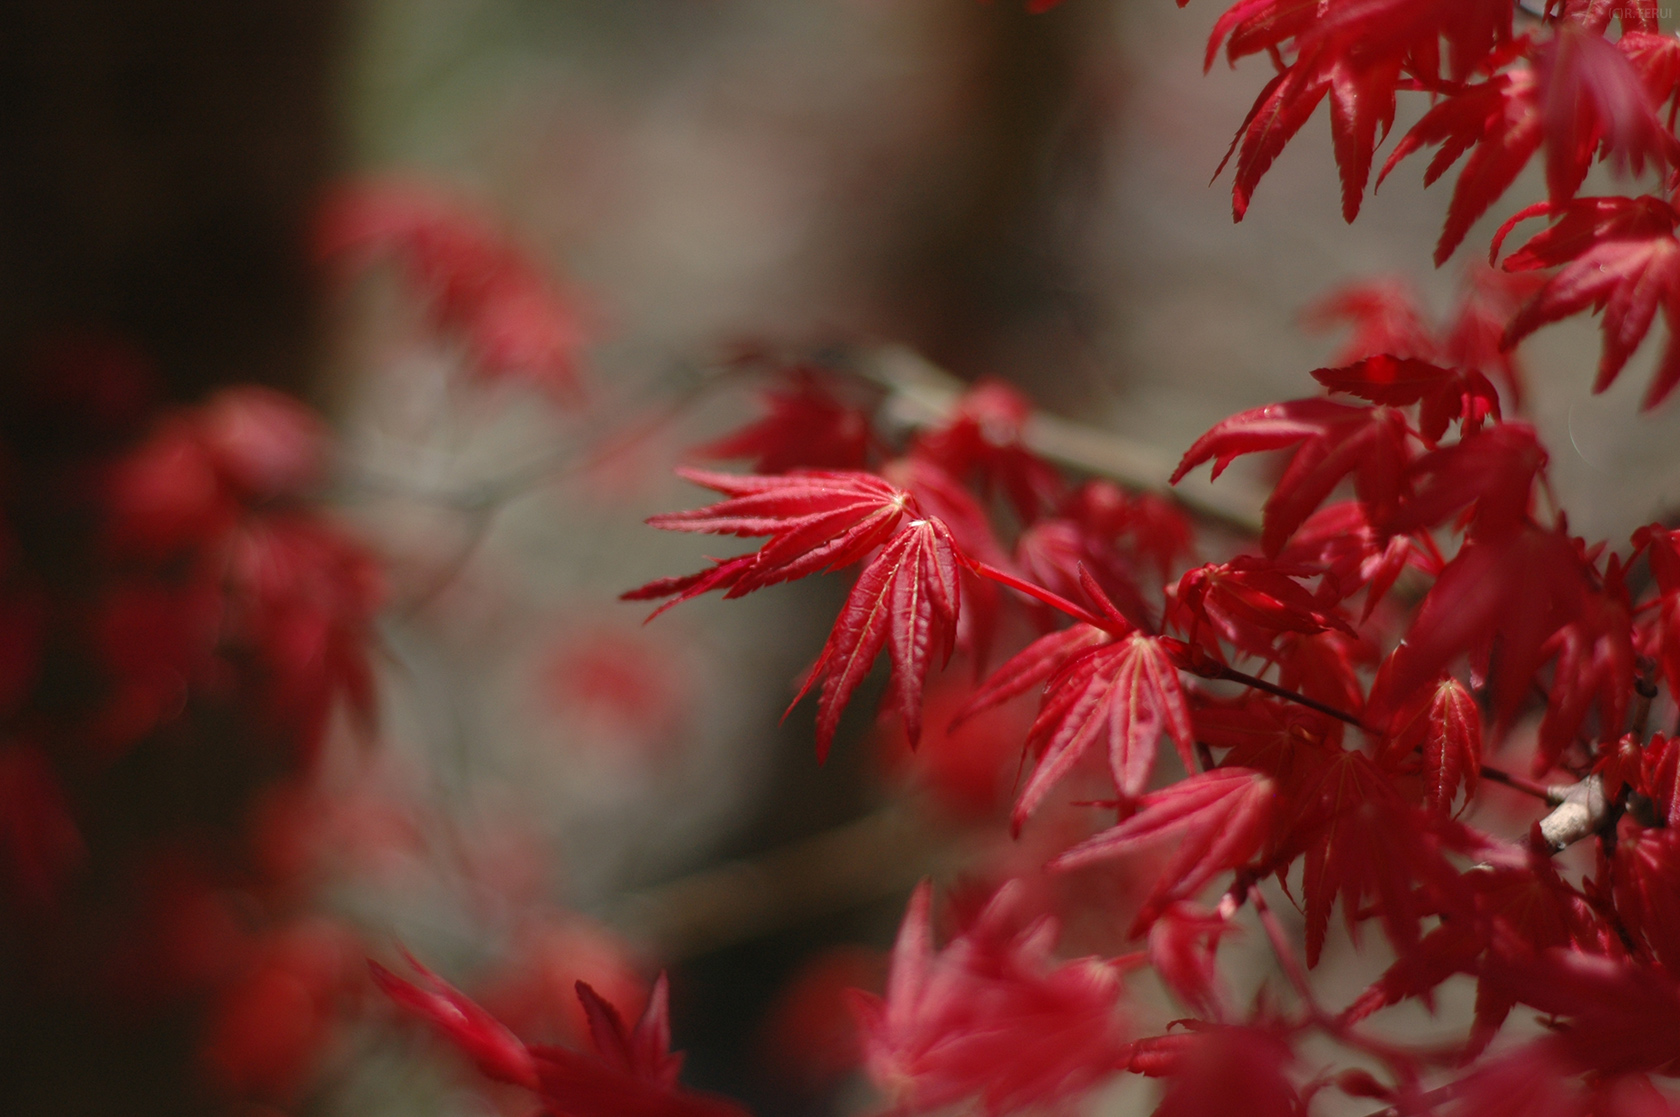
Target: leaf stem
1054, 600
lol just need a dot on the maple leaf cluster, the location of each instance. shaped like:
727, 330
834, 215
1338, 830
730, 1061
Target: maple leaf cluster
1503, 87
1360, 740
1323, 716
630, 1070
1334, 696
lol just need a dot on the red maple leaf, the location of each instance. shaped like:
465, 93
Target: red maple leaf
1221, 819
495, 1051
1446, 731
1579, 225
990, 1017
1497, 118
1356, 53
1659, 777
631, 1073
1446, 395
1517, 589
1658, 633
534, 990
1595, 15
1157, 528
1620, 257
1656, 59
1646, 876
1124, 695
1595, 666
1533, 1080
940, 494
1283, 106
1473, 339
1058, 554
1619, 765
1183, 948
1225, 1070
1031, 667
1521, 904
1361, 840
946, 499
1326, 667
908, 593
1619, 1016
1288, 742
1387, 318
1257, 25
806, 428
1384, 314
981, 440
1249, 602
1594, 101
1355, 556
1362, 105
1333, 441
817, 521
301, 602
1492, 473
906, 600
1471, 29
1141, 526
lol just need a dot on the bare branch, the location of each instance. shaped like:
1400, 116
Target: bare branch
876, 857
1579, 812
920, 394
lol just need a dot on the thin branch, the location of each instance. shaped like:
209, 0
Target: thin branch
873, 858
1231, 674
1644, 693
1581, 809
920, 394
479, 503
477, 530
488, 496
1519, 783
